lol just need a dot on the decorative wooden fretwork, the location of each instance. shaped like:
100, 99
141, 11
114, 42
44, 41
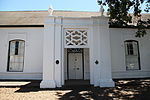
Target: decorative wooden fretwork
74, 50
74, 37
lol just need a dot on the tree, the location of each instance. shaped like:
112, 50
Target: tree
122, 13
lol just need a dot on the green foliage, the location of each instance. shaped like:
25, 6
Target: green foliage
119, 11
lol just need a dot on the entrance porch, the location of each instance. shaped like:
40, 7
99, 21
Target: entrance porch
93, 60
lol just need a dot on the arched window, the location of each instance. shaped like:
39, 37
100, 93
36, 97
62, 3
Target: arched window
132, 55
16, 55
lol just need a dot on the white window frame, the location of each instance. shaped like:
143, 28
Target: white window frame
132, 55
16, 56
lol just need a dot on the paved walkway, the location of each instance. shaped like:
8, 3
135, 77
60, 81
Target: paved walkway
68, 83
16, 83
138, 89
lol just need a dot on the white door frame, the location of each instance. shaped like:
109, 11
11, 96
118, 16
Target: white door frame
63, 71
89, 30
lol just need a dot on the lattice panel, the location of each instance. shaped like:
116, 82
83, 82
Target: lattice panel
76, 37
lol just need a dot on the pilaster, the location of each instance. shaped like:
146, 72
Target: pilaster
105, 54
101, 59
58, 51
95, 57
48, 55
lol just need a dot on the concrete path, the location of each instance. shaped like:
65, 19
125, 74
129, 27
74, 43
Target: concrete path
19, 83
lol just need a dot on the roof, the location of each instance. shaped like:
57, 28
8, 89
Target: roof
37, 17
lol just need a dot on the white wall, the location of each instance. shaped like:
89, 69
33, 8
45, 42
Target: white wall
117, 37
33, 52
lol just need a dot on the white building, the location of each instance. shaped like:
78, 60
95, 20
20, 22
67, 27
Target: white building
69, 45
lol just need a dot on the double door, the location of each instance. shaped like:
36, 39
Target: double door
75, 66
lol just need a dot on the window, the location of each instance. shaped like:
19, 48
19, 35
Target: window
132, 55
16, 56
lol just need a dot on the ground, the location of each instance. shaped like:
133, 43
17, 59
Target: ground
136, 89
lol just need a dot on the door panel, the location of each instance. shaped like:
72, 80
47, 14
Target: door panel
79, 68
72, 73
75, 66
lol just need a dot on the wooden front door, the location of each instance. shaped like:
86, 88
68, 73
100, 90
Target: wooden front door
75, 66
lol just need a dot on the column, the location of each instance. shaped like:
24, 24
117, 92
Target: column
58, 51
95, 53
48, 54
105, 54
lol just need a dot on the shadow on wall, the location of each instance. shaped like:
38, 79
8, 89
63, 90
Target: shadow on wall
138, 89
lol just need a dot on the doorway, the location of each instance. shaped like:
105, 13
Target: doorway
75, 63
75, 66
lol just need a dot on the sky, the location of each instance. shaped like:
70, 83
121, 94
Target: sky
29, 5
